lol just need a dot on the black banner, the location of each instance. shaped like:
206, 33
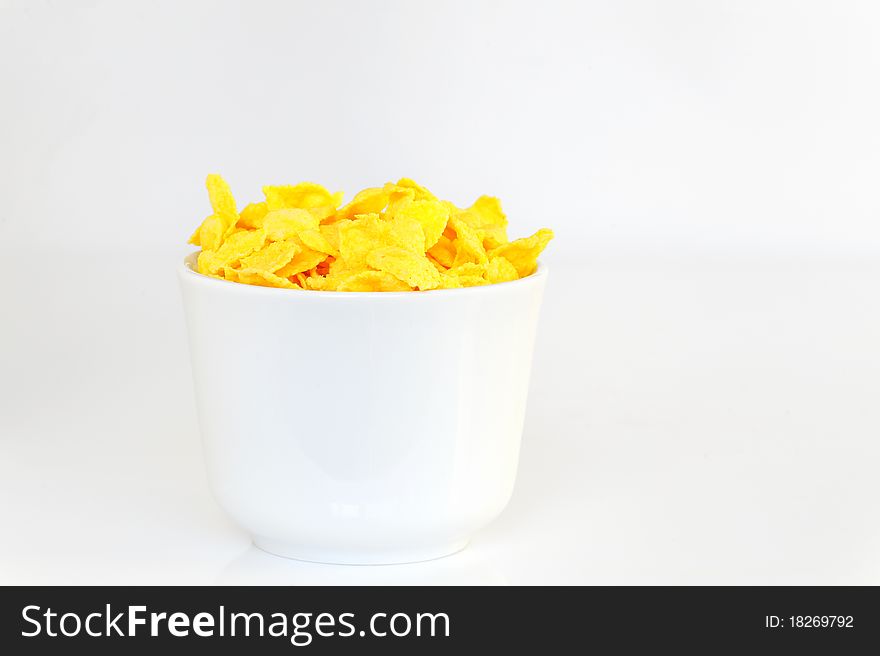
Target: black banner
113, 620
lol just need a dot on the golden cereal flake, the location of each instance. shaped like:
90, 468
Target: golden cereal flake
523, 253
302, 261
443, 251
304, 195
431, 215
412, 268
288, 223
368, 201
499, 269
271, 257
468, 246
252, 215
220, 196
316, 240
264, 279
372, 281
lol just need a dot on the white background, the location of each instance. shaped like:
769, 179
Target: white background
704, 397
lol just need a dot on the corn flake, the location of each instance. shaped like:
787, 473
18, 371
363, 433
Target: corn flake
316, 240
412, 268
431, 215
468, 245
500, 269
368, 201
211, 233
443, 251
372, 281
288, 223
302, 261
304, 195
398, 237
237, 246
252, 215
264, 279
220, 196
271, 258
523, 253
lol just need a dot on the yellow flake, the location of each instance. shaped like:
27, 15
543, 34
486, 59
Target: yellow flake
523, 253
302, 261
401, 263
220, 195
264, 279
468, 246
372, 281
500, 269
288, 223
272, 257
304, 195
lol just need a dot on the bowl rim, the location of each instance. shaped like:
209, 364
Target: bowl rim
185, 268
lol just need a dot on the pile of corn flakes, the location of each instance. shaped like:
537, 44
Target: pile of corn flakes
399, 237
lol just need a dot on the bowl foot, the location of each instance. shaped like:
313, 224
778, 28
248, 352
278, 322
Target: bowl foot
332, 556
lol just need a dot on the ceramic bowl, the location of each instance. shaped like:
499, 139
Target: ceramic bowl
361, 427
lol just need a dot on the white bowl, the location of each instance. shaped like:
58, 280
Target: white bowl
361, 427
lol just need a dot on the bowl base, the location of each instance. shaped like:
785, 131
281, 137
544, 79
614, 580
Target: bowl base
356, 557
